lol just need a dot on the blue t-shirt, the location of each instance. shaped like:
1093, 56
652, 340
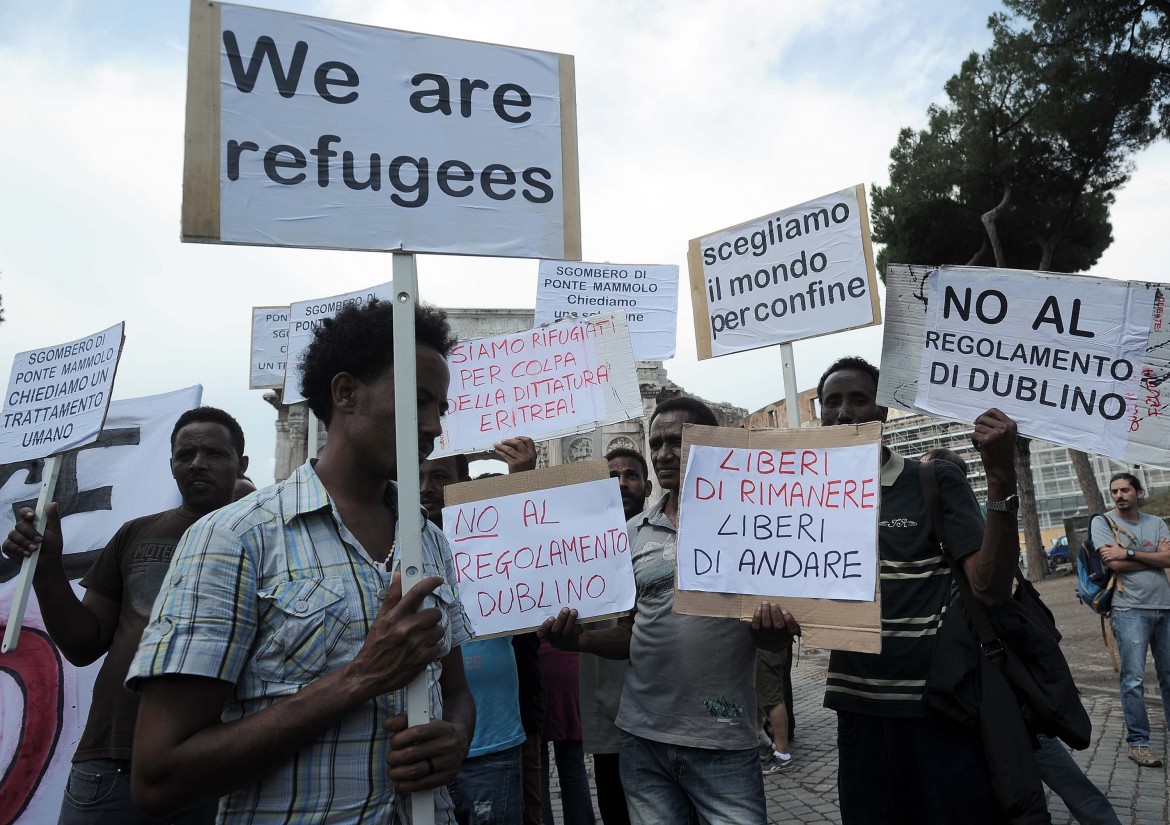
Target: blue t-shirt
490, 666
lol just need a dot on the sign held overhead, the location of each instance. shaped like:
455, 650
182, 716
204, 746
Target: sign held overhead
269, 353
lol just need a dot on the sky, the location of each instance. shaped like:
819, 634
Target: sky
692, 116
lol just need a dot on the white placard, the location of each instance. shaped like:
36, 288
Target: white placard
269, 353
306, 316
521, 558
565, 378
799, 523
798, 273
647, 293
1063, 356
123, 475
57, 396
342, 136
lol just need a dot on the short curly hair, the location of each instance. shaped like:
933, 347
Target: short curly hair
698, 412
359, 340
633, 455
849, 362
211, 415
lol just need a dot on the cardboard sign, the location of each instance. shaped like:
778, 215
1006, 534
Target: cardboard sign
306, 316
798, 273
647, 293
528, 544
57, 396
306, 132
551, 381
123, 475
783, 528
269, 354
1075, 360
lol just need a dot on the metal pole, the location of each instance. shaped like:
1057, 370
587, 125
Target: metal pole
418, 705
788, 366
29, 565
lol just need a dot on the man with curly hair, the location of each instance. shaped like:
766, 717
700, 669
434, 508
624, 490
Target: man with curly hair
272, 671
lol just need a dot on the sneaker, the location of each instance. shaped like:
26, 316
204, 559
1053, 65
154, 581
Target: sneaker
1144, 756
774, 764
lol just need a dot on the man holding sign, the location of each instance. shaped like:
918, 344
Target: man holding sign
273, 666
897, 764
688, 708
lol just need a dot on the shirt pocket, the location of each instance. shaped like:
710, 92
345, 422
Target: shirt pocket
302, 622
448, 603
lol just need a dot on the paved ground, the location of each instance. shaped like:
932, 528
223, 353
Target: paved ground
1141, 796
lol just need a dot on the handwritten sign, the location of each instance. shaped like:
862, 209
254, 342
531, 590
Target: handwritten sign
647, 293
269, 353
788, 516
522, 556
57, 396
551, 381
306, 316
1076, 360
306, 132
798, 273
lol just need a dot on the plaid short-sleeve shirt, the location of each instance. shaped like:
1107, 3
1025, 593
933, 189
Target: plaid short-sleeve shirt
271, 594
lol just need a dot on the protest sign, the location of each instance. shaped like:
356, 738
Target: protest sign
647, 293
124, 474
57, 396
269, 353
786, 516
565, 378
1075, 360
316, 133
798, 273
526, 545
306, 316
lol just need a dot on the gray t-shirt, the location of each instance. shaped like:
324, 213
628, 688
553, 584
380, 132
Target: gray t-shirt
1143, 588
691, 679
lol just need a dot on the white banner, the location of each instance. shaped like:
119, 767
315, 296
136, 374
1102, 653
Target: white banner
57, 396
798, 273
44, 700
269, 353
799, 523
565, 378
306, 316
521, 558
341, 136
647, 293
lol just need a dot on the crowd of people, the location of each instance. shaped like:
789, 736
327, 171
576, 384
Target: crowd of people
257, 642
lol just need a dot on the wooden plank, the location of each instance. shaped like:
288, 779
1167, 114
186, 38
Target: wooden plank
570, 168
867, 246
699, 306
200, 214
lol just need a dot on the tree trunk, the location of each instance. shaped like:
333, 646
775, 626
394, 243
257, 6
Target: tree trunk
1088, 481
1029, 518
978, 255
989, 218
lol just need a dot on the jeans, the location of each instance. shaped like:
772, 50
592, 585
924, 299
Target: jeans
98, 793
1084, 800
576, 806
487, 790
1135, 630
663, 781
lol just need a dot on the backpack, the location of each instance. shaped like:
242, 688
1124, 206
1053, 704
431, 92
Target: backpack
1096, 583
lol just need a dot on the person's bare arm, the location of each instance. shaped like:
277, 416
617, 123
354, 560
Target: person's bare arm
82, 630
185, 755
992, 568
564, 632
428, 756
1117, 559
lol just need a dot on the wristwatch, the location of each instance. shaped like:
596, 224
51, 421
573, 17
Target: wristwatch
1129, 554
1009, 505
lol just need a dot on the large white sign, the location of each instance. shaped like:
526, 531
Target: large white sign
796, 522
798, 273
1076, 360
306, 316
551, 381
44, 700
269, 353
317, 133
520, 558
57, 396
647, 293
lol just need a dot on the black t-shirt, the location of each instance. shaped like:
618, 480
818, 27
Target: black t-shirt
130, 571
915, 585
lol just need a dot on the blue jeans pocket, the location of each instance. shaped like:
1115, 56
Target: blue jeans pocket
86, 788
